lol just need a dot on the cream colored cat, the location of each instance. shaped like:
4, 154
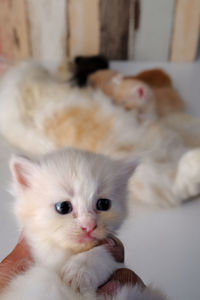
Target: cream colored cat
38, 113
67, 202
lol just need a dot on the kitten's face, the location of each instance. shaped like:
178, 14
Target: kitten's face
134, 94
71, 199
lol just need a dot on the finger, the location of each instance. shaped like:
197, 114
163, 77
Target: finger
115, 247
21, 251
16, 262
120, 278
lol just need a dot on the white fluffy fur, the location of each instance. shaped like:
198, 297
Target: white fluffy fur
43, 284
29, 96
62, 264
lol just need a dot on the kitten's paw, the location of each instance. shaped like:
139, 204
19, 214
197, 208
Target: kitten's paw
86, 271
187, 182
79, 279
79, 274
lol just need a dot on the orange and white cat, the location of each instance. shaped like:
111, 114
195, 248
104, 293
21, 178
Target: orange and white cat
39, 112
67, 202
132, 94
140, 93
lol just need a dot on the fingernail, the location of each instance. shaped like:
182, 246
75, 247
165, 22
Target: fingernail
112, 242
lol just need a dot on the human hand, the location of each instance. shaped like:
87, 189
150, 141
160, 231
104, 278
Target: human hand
16, 262
20, 259
121, 276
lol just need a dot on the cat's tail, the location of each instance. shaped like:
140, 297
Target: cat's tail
137, 293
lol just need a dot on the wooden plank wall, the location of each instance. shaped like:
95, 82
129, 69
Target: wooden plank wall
52, 30
84, 23
48, 29
14, 37
153, 37
114, 31
134, 17
186, 30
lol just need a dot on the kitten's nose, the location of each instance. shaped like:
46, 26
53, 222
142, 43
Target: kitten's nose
89, 226
140, 92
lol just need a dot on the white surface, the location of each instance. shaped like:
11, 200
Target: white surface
153, 42
163, 247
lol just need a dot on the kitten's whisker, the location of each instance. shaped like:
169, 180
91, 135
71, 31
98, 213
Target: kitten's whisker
59, 227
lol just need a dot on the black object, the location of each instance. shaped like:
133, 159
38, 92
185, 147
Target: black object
64, 207
86, 65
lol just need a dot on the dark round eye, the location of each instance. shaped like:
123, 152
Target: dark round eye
103, 204
63, 208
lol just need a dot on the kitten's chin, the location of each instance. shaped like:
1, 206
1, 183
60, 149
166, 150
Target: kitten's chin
84, 245
86, 242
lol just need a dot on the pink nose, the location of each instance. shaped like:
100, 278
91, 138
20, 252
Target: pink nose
89, 227
140, 92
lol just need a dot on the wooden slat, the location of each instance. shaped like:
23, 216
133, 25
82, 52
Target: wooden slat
48, 29
14, 40
131, 44
153, 37
83, 20
114, 18
186, 30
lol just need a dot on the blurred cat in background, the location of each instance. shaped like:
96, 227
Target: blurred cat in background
39, 112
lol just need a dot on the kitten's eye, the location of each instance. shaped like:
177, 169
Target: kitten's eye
103, 204
63, 208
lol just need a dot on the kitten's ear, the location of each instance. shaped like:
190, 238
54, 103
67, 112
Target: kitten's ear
22, 169
128, 167
117, 79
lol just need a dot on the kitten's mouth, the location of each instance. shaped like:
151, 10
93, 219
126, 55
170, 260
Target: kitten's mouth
87, 237
93, 237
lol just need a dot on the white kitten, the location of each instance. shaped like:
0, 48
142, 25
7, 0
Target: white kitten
67, 202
